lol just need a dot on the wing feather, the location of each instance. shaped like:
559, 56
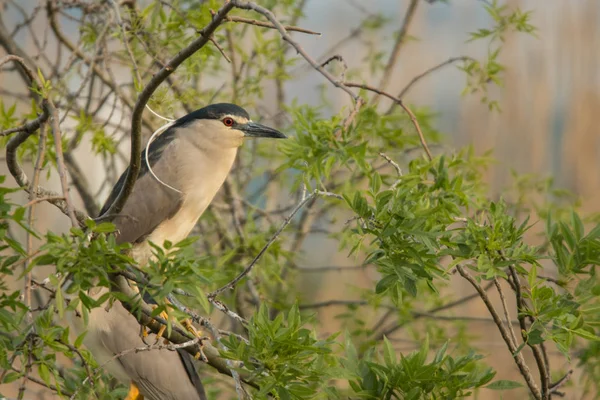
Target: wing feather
151, 202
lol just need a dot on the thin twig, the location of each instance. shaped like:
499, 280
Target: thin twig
27, 371
339, 59
513, 337
249, 21
404, 107
176, 334
104, 77
37, 169
60, 162
557, 385
247, 5
211, 296
149, 347
42, 383
425, 73
331, 268
400, 39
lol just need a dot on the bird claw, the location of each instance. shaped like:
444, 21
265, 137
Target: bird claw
187, 323
162, 329
144, 330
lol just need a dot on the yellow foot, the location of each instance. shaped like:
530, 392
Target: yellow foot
134, 392
187, 323
162, 329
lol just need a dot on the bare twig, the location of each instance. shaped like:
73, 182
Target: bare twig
513, 337
104, 77
427, 72
41, 382
37, 169
247, 5
271, 26
393, 163
60, 162
331, 268
400, 39
404, 107
387, 332
339, 59
557, 385
25, 379
212, 296
149, 347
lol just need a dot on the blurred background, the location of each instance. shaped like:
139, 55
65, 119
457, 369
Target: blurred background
546, 125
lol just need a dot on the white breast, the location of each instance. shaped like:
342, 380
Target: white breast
200, 174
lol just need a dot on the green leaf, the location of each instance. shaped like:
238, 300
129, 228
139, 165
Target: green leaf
389, 354
504, 385
586, 335
44, 373
11, 377
105, 227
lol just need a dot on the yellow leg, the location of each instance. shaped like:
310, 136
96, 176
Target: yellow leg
187, 323
162, 329
134, 392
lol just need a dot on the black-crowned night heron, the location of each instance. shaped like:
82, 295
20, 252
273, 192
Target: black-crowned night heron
188, 164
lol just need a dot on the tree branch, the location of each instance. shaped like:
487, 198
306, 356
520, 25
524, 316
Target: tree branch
23, 133
400, 39
537, 353
404, 107
270, 26
425, 73
142, 312
518, 357
246, 5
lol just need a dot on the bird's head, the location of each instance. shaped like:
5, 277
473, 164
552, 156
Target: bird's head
224, 125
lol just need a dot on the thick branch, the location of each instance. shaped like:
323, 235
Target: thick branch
175, 335
144, 97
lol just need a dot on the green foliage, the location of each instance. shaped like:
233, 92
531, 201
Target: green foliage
285, 358
481, 73
384, 203
410, 376
101, 143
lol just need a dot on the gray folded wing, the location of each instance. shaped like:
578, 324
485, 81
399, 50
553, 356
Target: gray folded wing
151, 202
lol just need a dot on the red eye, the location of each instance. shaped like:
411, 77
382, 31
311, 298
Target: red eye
228, 121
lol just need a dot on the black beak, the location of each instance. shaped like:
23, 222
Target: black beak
252, 129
